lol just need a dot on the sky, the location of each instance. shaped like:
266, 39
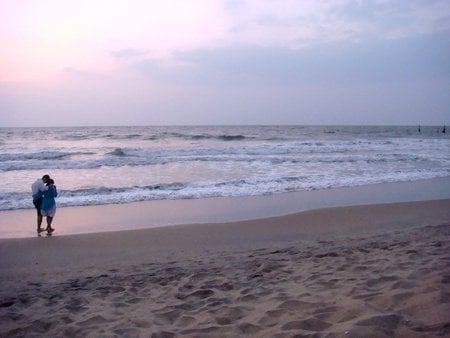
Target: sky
202, 62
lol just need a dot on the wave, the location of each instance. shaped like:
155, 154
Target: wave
104, 191
117, 152
232, 137
300, 153
176, 135
122, 137
40, 155
216, 137
195, 190
150, 135
264, 133
99, 196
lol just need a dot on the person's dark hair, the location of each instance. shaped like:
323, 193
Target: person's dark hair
45, 178
50, 181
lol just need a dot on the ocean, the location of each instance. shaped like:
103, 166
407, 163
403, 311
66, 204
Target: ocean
117, 165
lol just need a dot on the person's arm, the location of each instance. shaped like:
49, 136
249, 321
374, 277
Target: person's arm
42, 186
37, 195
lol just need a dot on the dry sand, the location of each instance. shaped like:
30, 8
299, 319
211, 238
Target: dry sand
361, 271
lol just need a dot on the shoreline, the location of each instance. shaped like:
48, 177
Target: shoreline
369, 270
151, 214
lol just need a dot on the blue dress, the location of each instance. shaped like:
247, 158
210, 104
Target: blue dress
48, 202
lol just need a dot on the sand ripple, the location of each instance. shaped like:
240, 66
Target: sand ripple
395, 284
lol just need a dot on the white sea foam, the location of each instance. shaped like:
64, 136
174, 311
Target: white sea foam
122, 165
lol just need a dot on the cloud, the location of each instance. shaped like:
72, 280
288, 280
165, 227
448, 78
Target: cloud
78, 35
396, 19
71, 71
239, 58
328, 64
128, 53
305, 23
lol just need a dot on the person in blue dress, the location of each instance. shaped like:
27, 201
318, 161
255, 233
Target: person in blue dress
37, 190
48, 206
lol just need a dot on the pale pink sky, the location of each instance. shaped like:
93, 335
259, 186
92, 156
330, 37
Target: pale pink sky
224, 62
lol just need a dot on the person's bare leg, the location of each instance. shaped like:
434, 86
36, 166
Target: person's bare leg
39, 223
49, 224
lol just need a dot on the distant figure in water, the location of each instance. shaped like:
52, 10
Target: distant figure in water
418, 129
37, 190
443, 130
48, 206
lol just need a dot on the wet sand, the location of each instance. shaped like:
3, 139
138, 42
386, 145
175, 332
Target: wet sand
377, 270
139, 215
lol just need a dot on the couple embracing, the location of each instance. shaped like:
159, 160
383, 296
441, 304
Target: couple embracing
44, 193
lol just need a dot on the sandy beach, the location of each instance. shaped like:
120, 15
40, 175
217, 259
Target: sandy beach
360, 271
224, 169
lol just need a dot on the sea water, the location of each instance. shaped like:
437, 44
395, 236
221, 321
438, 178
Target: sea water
109, 165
